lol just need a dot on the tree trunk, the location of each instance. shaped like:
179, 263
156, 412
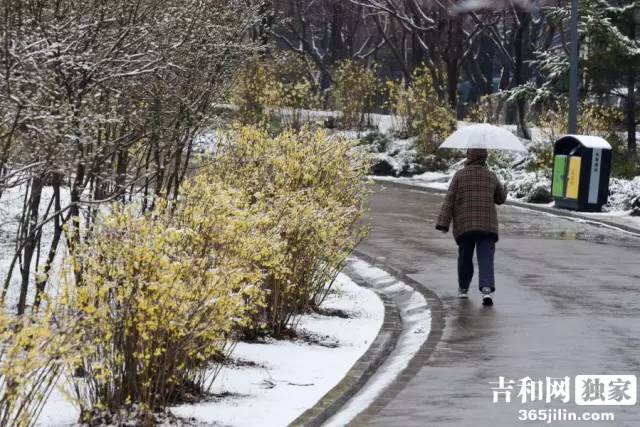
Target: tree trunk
521, 43
630, 114
453, 61
31, 241
452, 83
122, 163
41, 282
487, 57
263, 30
74, 210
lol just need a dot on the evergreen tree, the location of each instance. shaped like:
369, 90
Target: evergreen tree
612, 58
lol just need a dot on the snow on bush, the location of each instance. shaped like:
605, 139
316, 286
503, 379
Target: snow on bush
399, 158
311, 189
394, 157
623, 194
527, 177
155, 299
535, 187
527, 186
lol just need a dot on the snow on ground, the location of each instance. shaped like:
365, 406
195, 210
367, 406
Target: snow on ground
416, 320
274, 382
618, 217
437, 180
58, 411
291, 376
11, 204
382, 122
206, 141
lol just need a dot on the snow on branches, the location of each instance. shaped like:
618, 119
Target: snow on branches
104, 99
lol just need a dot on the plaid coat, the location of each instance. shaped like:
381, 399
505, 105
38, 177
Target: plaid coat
471, 200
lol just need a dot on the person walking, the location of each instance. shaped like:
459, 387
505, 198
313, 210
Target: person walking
470, 204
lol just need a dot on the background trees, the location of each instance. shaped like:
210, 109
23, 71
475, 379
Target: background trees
612, 59
325, 32
518, 48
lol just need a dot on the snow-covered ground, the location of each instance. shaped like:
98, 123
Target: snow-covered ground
618, 217
11, 204
382, 122
272, 383
291, 376
416, 326
437, 180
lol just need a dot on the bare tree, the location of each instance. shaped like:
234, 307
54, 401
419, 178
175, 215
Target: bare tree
325, 32
426, 33
101, 101
467, 39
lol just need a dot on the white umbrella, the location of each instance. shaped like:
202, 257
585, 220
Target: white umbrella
483, 135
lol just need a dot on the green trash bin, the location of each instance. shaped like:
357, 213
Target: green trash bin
581, 170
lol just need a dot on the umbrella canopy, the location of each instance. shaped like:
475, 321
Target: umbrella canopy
483, 136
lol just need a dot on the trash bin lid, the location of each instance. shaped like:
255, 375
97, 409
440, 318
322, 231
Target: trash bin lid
589, 141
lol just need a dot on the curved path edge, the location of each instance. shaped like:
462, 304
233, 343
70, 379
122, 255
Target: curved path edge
364, 368
421, 357
530, 206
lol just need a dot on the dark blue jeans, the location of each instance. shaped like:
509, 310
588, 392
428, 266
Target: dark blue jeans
486, 247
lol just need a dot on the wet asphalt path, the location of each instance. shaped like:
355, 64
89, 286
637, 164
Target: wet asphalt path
567, 303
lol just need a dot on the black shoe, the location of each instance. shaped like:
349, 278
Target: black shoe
487, 297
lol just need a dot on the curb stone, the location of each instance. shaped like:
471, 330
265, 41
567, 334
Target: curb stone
362, 370
545, 209
421, 357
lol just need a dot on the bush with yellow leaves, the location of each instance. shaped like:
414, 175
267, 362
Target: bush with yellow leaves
159, 298
32, 358
254, 239
292, 94
417, 111
312, 188
248, 91
354, 94
278, 89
